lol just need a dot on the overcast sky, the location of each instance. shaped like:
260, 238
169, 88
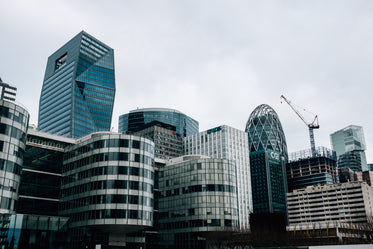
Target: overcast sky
212, 60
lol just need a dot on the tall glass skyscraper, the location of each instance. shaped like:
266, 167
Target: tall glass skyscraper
349, 144
268, 155
79, 87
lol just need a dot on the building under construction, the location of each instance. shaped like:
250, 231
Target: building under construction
306, 168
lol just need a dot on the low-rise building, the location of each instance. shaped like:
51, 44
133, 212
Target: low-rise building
348, 202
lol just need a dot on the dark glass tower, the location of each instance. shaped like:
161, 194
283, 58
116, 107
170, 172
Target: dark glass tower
268, 155
79, 87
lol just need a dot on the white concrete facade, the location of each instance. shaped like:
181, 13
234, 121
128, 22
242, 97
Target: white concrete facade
350, 202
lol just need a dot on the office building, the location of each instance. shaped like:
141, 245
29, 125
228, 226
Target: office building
78, 91
227, 143
7, 92
304, 169
268, 155
348, 202
107, 188
135, 120
349, 144
198, 201
167, 143
13, 129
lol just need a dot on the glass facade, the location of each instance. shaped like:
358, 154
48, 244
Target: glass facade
78, 92
198, 196
268, 179
107, 184
136, 120
265, 130
232, 144
23, 231
349, 144
39, 192
13, 127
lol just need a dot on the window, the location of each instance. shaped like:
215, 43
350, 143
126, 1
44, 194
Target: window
60, 62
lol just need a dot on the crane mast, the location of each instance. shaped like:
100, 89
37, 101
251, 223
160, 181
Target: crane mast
311, 126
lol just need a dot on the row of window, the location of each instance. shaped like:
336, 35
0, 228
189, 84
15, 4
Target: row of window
108, 156
109, 170
199, 188
112, 214
110, 143
109, 184
108, 199
17, 116
13, 132
198, 223
10, 167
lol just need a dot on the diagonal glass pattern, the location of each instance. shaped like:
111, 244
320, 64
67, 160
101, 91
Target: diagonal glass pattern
265, 131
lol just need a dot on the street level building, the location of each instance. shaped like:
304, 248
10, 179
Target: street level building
78, 91
227, 143
39, 192
348, 202
198, 201
304, 169
107, 188
135, 120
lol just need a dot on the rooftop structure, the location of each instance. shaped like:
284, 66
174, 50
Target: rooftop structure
135, 120
265, 131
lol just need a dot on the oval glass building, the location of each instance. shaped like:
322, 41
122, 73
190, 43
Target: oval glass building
265, 130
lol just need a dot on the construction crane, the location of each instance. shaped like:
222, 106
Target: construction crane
311, 126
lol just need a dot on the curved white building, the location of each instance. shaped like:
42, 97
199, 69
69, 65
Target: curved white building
107, 186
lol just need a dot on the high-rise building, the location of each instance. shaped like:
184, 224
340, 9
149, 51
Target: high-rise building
304, 169
78, 91
135, 120
268, 155
7, 92
227, 143
349, 144
107, 188
198, 201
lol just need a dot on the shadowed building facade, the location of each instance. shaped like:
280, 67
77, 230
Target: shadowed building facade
78, 91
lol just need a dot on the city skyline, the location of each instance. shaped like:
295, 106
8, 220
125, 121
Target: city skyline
215, 63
